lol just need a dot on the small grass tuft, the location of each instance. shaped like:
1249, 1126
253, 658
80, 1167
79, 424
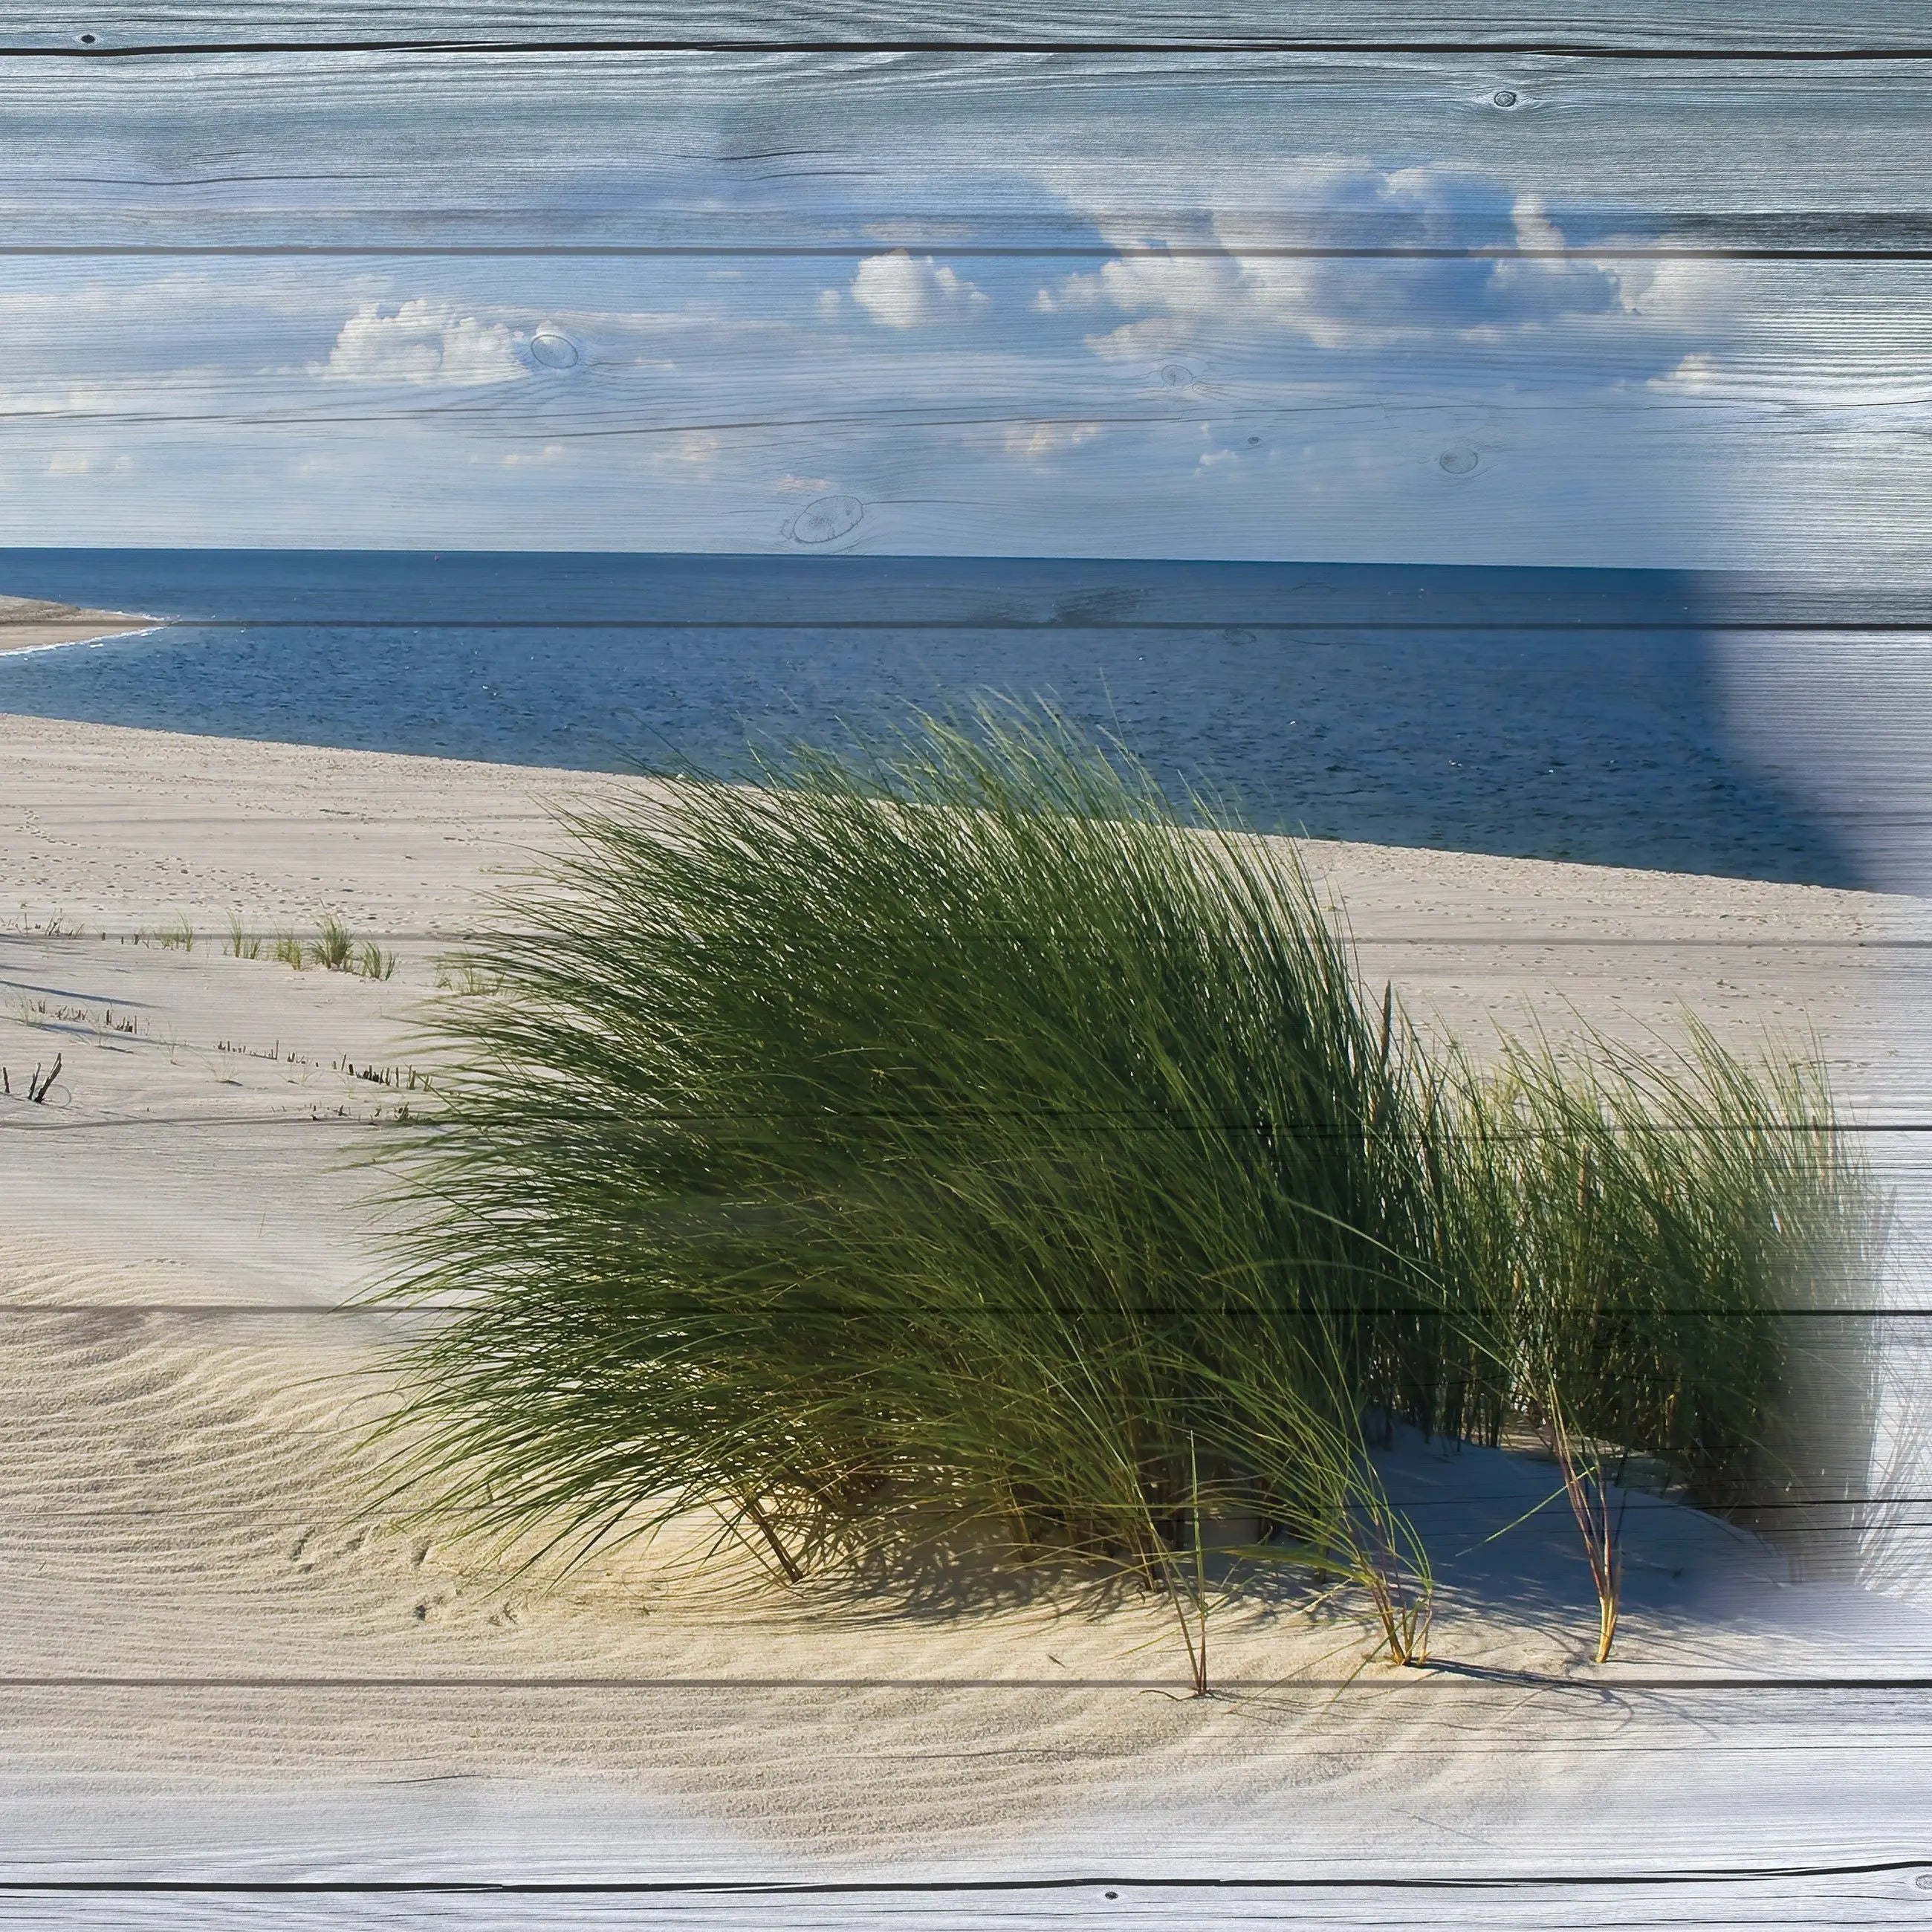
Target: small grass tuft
467, 978
373, 962
334, 946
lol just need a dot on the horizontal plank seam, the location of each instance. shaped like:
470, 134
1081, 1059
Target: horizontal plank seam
413, 1308
477, 45
856, 250
1471, 941
1639, 1503
323, 1116
1442, 1677
1189, 626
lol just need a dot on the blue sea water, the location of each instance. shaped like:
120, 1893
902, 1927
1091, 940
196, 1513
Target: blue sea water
1563, 714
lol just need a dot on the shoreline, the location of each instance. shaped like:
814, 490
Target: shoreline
39, 624
263, 802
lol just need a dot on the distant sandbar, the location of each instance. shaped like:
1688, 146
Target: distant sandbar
32, 623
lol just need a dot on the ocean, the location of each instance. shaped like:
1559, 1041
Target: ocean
1541, 713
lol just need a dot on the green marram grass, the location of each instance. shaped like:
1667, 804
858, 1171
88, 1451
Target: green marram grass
952, 1143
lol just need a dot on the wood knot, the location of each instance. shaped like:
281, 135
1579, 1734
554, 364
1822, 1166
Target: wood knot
825, 518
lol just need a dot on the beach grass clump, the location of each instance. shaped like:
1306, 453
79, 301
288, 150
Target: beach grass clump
334, 946
372, 961
1636, 1247
953, 1143
935, 1144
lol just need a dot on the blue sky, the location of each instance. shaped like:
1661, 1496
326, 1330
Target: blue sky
1177, 385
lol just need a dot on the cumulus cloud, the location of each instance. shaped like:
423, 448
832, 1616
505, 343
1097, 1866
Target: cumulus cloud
422, 341
898, 290
1035, 440
1248, 270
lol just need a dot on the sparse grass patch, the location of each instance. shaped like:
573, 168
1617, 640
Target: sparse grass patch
373, 962
467, 978
334, 946
335, 949
956, 1144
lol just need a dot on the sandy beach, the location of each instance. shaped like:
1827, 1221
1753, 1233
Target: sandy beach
34, 623
219, 1651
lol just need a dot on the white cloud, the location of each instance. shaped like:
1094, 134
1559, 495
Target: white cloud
1696, 374
1249, 271
65, 463
423, 341
1035, 440
698, 449
899, 291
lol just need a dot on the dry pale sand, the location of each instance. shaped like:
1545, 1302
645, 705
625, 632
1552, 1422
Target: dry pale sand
220, 1658
33, 623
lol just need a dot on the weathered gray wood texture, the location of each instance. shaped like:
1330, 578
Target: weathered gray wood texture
1766, 26
1780, 151
548, 152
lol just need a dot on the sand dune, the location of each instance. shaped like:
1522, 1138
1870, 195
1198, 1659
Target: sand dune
221, 1658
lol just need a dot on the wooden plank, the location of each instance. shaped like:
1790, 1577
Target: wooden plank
1887, 1897
1783, 26
1773, 420
1779, 617
845, 152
